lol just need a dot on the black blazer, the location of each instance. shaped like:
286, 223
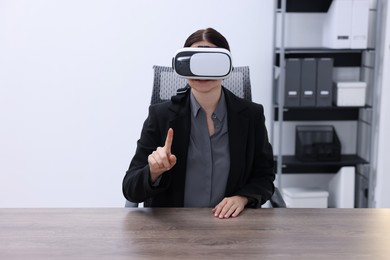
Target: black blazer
251, 158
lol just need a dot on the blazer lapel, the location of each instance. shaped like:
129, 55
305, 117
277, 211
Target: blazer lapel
181, 124
238, 125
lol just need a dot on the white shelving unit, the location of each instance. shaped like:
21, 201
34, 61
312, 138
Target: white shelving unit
298, 34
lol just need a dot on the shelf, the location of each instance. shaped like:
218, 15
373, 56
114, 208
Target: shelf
319, 113
305, 6
342, 57
290, 164
297, 50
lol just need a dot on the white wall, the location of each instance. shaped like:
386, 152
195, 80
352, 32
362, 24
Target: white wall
76, 79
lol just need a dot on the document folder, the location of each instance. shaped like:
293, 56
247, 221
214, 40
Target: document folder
308, 82
346, 24
337, 25
324, 82
359, 26
292, 83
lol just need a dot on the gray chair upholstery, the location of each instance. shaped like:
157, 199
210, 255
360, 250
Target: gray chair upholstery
277, 200
166, 83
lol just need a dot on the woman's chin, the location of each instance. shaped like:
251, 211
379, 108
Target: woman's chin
204, 85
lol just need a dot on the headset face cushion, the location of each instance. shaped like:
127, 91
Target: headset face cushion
202, 63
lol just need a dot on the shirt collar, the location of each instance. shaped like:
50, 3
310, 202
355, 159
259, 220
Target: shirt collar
195, 107
220, 110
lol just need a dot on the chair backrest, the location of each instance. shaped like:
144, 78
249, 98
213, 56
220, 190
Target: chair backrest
166, 82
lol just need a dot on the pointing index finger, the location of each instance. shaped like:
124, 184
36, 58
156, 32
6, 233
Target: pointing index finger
168, 140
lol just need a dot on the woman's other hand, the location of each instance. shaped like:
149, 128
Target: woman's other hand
230, 207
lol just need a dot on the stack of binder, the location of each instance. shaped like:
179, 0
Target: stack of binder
308, 82
346, 25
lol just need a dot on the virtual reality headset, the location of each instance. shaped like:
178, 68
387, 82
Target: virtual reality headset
202, 63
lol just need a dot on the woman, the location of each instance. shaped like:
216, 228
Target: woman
204, 148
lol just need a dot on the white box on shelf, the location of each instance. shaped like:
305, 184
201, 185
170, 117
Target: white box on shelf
350, 94
346, 25
305, 197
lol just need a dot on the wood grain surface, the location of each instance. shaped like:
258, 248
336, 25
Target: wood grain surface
173, 233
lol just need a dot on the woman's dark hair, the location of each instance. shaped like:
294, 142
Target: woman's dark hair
209, 35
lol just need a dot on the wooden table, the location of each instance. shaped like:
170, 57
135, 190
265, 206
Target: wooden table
140, 233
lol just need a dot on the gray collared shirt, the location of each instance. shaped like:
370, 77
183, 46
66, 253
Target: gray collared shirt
208, 161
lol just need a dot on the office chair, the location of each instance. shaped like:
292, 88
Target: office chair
166, 83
